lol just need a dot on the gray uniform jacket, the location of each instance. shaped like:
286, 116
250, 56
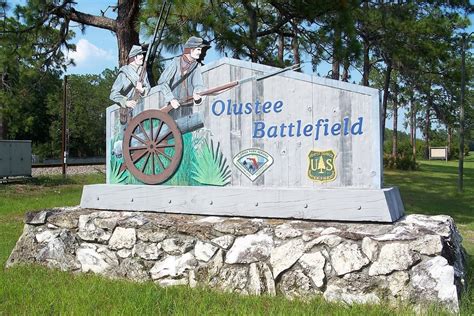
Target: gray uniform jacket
123, 87
172, 74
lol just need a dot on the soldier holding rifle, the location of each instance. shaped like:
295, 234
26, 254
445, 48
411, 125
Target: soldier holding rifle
182, 77
128, 81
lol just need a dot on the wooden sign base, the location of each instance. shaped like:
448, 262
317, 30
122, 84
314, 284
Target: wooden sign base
342, 204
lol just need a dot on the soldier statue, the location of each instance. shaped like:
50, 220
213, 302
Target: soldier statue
182, 77
128, 80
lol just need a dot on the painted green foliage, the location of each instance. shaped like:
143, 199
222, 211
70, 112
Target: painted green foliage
210, 166
201, 164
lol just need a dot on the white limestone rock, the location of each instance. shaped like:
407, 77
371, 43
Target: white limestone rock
234, 278
132, 220
440, 224
132, 268
64, 219
97, 259
284, 256
329, 240
210, 219
208, 273
335, 293
224, 241
330, 231
173, 266
192, 279
428, 245
347, 257
295, 284
124, 253
123, 238
147, 251
56, 254
312, 233
204, 251
370, 248
267, 276
47, 235
173, 282
38, 218
255, 284
286, 231
397, 284
238, 226
88, 230
250, 248
151, 233
434, 279
177, 246
105, 221
398, 233
313, 266
393, 257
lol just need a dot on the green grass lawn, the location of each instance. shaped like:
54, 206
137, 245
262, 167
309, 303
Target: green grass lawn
35, 290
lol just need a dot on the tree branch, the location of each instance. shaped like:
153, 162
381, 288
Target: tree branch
275, 28
88, 19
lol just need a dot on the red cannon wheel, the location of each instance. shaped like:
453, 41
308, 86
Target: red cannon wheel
152, 146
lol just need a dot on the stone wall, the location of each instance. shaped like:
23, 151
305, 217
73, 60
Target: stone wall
418, 259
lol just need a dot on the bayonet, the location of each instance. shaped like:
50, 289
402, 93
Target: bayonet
292, 67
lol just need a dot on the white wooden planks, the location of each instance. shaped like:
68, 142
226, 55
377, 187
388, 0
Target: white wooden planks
381, 205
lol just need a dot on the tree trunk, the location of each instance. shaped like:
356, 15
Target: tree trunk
395, 123
295, 45
253, 28
366, 48
345, 72
450, 138
427, 133
127, 36
281, 48
335, 69
428, 123
335, 55
413, 129
366, 70
386, 91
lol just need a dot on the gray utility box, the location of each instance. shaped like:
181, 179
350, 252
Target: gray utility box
15, 158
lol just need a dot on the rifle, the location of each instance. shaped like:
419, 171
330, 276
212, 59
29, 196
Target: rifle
222, 88
153, 44
160, 25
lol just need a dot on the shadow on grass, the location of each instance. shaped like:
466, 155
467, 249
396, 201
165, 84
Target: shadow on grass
433, 190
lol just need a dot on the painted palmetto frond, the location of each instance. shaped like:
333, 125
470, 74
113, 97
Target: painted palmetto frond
210, 166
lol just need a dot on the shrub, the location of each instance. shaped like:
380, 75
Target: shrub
401, 162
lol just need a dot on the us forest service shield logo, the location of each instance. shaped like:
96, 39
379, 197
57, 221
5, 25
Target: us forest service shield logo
322, 167
253, 162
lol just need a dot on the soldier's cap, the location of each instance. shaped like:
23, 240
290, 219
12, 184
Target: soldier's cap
195, 42
135, 50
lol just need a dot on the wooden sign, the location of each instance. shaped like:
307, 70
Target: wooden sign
292, 144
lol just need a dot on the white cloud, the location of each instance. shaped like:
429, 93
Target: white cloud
88, 53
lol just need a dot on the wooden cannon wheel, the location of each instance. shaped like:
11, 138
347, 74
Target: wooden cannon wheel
152, 146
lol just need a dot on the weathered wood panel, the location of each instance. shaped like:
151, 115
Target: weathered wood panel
307, 100
309, 203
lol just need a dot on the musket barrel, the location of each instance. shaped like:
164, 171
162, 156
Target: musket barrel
293, 67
